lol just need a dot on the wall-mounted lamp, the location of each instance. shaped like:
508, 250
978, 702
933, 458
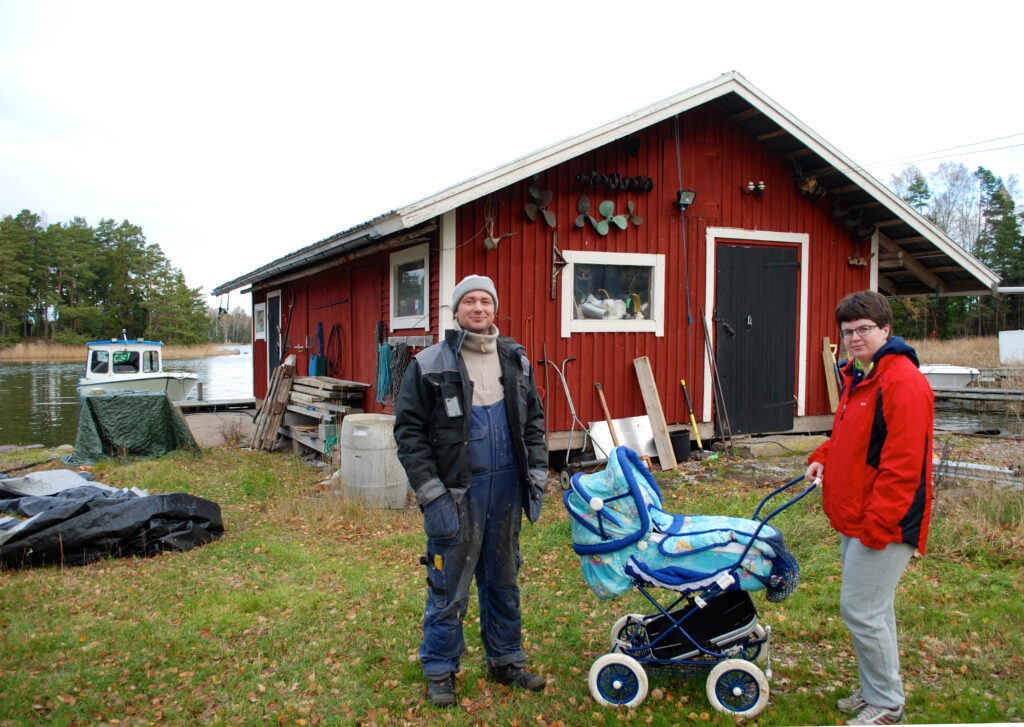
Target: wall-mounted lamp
686, 198
754, 188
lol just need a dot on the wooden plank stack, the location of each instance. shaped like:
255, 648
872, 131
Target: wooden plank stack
316, 405
268, 420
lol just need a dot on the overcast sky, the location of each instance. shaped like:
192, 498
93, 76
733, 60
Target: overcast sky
236, 132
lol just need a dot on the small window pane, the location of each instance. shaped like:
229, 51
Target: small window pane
126, 362
100, 362
151, 361
411, 277
612, 292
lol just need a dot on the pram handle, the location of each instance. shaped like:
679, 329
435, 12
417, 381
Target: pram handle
780, 508
773, 513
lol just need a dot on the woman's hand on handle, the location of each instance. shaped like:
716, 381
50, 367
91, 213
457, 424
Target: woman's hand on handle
815, 472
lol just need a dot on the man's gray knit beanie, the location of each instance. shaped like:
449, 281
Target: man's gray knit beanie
474, 282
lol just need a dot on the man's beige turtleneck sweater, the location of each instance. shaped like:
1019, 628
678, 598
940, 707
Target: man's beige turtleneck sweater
480, 352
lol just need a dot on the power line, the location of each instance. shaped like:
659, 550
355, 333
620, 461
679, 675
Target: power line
940, 153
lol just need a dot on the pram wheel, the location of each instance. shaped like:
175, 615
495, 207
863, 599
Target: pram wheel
617, 680
565, 478
737, 687
628, 632
756, 651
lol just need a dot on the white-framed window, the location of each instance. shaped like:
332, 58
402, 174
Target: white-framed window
259, 322
613, 291
410, 288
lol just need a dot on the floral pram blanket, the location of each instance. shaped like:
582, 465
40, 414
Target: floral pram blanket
624, 537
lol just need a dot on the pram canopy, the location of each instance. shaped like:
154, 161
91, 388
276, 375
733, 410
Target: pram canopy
624, 537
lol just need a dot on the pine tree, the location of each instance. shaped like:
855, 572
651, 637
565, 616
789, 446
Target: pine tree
16, 244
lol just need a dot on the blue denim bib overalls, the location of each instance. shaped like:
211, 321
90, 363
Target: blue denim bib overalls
478, 536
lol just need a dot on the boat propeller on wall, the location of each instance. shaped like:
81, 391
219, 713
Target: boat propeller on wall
541, 199
615, 182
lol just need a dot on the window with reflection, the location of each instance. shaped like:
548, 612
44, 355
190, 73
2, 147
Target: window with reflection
607, 292
410, 288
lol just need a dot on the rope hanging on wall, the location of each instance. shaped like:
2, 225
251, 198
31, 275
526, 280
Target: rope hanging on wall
333, 351
400, 359
383, 383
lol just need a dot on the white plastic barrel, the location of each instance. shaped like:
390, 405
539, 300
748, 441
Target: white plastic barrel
370, 470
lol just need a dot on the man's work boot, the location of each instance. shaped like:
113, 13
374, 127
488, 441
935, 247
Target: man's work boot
517, 676
441, 690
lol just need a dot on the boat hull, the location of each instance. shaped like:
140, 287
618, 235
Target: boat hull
177, 386
946, 375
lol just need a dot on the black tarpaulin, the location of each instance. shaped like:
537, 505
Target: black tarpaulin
71, 523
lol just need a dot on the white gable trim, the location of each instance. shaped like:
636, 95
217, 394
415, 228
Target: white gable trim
525, 167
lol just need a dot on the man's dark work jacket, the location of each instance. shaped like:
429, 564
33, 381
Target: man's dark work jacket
432, 421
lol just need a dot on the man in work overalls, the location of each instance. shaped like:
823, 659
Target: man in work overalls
470, 433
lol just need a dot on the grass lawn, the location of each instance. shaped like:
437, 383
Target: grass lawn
307, 611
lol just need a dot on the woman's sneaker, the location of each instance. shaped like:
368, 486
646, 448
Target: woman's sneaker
878, 715
852, 704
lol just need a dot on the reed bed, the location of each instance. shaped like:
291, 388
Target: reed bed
42, 352
980, 353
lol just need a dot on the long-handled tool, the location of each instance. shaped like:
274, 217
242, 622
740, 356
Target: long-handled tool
693, 420
547, 397
587, 436
719, 394
611, 427
607, 414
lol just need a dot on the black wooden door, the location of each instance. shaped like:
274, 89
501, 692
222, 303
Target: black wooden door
755, 330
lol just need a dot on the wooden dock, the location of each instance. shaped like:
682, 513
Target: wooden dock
190, 406
975, 393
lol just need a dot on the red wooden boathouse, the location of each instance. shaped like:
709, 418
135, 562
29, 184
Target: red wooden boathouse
597, 256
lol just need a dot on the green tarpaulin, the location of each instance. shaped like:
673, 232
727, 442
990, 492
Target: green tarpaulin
129, 424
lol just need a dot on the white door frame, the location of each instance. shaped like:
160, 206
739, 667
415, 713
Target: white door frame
711, 237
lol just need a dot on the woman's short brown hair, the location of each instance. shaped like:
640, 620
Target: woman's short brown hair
864, 304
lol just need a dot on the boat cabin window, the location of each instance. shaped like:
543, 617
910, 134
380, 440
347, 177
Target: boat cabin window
150, 361
100, 362
126, 362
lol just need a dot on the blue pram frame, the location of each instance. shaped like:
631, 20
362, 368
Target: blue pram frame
711, 625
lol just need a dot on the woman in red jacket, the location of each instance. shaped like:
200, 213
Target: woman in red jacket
876, 472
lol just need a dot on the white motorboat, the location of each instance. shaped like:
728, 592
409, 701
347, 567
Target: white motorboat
949, 375
123, 365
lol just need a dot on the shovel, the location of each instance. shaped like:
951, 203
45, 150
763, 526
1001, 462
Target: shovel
689, 408
608, 418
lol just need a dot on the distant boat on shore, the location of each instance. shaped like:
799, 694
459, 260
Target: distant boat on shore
949, 375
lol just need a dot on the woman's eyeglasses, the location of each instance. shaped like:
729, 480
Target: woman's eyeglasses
847, 334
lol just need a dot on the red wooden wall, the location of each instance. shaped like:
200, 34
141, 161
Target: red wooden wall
716, 158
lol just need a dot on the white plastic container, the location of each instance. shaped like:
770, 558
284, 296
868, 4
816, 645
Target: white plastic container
370, 470
1011, 347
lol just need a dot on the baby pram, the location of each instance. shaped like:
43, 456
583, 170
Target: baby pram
710, 563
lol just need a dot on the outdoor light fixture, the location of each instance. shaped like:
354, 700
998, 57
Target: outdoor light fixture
756, 189
686, 198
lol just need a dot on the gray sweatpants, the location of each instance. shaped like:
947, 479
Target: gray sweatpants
867, 605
